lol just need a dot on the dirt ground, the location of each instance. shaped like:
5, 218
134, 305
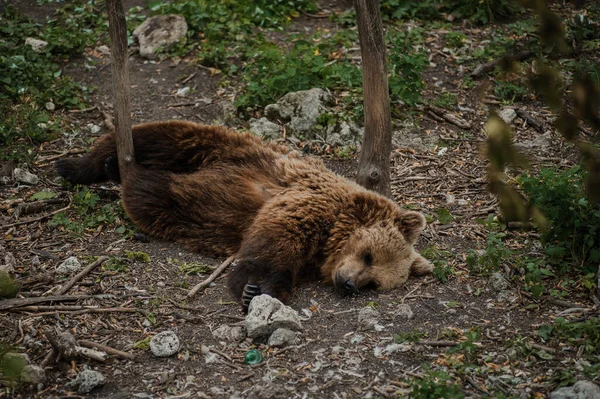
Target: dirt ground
333, 357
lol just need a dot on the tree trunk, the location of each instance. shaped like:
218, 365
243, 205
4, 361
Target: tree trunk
374, 164
121, 89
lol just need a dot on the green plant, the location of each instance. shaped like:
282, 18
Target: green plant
138, 256
468, 347
445, 100
442, 271
435, 385
411, 336
11, 364
583, 334
455, 39
116, 264
90, 215
489, 259
572, 238
405, 66
509, 92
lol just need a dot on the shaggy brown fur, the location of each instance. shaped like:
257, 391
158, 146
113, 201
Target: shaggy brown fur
220, 193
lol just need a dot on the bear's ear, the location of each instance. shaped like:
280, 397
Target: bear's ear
421, 266
410, 225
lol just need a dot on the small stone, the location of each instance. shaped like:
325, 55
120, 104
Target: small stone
93, 128
33, 374
283, 337
160, 32
498, 282
368, 318
71, 265
462, 202
265, 128
450, 198
581, 390
507, 115
229, 333
164, 344
104, 50
87, 380
23, 176
266, 314
36, 44
50, 106
183, 91
10, 263
542, 143
404, 311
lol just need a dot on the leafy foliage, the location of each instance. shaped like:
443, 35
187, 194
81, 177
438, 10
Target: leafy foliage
91, 214
405, 66
490, 259
435, 385
574, 222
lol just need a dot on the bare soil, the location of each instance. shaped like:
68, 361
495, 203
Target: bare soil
334, 358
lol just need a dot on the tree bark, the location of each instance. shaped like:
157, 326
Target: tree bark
374, 164
121, 88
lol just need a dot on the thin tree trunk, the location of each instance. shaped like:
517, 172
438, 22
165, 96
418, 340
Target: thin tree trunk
374, 164
121, 89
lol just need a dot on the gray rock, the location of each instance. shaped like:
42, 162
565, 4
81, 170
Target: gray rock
368, 319
265, 128
507, 115
404, 311
10, 263
283, 337
581, 390
300, 108
36, 44
161, 31
87, 380
344, 133
33, 374
266, 314
506, 296
23, 176
164, 344
540, 143
229, 333
408, 135
50, 106
71, 265
498, 282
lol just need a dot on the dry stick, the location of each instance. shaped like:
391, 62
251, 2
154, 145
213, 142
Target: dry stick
489, 66
450, 117
438, 343
531, 121
218, 352
17, 303
63, 290
107, 349
212, 277
543, 347
36, 219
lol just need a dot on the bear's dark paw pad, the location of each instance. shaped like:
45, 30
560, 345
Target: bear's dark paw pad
250, 291
111, 168
67, 169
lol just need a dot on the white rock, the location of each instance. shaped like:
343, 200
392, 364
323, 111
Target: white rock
36, 44
93, 128
50, 106
581, 390
33, 374
10, 263
164, 344
161, 31
87, 380
70, 265
104, 50
266, 314
404, 311
300, 108
368, 319
507, 115
283, 337
229, 333
183, 91
23, 176
542, 142
498, 282
265, 128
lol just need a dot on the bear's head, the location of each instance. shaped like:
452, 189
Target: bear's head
379, 253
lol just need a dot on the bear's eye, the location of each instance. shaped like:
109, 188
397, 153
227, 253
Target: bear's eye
368, 258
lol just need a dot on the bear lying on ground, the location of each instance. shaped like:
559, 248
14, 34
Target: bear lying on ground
284, 216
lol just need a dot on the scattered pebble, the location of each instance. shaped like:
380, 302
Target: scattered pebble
36, 44
581, 390
266, 314
283, 337
87, 380
229, 333
23, 176
498, 282
71, 265
507, 115
404, 311
50, 106
368, 319
164, 344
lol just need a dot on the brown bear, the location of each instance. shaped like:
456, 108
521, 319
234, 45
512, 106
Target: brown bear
284, 216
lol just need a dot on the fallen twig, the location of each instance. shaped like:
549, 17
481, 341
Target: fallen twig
73, 151
531, 121
450, 117
543, 347
438, 343
212, 277
107, 349
489, 66
63, 290
20, 302
36, 219
67, 346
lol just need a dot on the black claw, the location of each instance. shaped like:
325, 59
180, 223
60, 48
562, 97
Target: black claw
250, 291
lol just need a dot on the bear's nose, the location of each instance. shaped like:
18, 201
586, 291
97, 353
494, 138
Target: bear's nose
350, 287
